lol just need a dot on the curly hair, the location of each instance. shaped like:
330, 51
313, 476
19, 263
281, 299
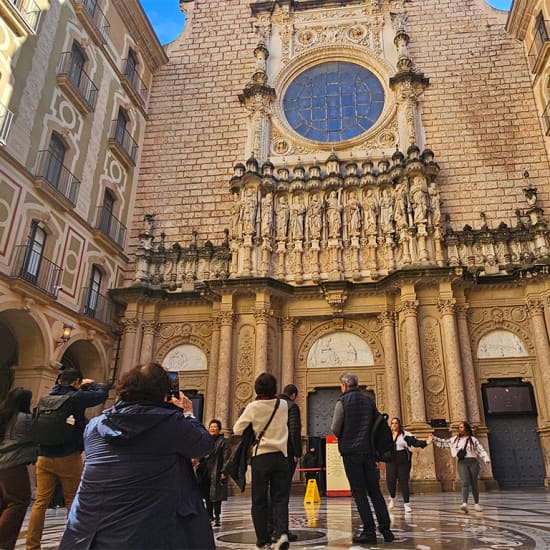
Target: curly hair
147, 382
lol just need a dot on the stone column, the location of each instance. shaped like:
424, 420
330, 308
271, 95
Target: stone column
414, 359
261, 314
224, 367
393, 401
470, 384
212, 383
287, 370
542, 346
147, 345
453, 365
127, 360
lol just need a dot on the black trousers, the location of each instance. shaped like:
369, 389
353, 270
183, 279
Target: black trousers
214, 509
269, 486
363, 479
399, 469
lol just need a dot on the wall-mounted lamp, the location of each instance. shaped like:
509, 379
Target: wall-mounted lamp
66, 334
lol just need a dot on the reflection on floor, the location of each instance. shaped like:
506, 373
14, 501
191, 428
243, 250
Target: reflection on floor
510, 519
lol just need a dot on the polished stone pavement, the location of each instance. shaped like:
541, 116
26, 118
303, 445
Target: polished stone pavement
510, 519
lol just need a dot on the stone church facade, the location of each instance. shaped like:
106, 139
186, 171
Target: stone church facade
361, 186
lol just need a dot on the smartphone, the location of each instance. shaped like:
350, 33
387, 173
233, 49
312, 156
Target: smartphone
174, 385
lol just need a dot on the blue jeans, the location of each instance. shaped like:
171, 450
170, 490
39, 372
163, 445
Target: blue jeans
364, 482
468, 471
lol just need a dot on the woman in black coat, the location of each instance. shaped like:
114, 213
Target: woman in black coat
212, 472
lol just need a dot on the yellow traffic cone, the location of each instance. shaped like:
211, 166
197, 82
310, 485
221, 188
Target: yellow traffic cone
312, 492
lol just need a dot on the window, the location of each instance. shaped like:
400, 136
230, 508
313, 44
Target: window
55, 160
76, 65
106, 216
33, 253
333, 101
121, 122
131, 65
93, 291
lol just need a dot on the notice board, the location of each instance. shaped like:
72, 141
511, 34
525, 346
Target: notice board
337, 482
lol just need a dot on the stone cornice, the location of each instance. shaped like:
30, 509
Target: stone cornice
141, 30
519, 18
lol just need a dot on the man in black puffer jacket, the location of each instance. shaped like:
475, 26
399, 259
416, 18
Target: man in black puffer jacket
352, 424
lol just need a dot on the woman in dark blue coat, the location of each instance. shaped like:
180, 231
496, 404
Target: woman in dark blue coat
138, 489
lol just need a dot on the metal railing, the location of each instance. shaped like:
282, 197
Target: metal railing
111, 226
124, 139
30, 11
31, 266
80, 79
540, 38
133, 77
546, 119
6, 117
97, 16
51, 169
96, 306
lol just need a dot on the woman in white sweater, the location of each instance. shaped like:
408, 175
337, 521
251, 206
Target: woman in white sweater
269, 463
400, 467
467, 449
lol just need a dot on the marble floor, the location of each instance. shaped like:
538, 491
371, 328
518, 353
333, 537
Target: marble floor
510, 519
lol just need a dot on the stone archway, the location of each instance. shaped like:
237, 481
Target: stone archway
83, 356
22, 345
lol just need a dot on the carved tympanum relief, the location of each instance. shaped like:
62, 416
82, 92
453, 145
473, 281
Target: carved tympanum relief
500, 343
185, 358
339, 349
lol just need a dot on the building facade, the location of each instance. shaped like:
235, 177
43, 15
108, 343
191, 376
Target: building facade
356, 186
74, 87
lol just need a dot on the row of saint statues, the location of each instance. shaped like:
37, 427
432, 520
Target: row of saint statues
336, 214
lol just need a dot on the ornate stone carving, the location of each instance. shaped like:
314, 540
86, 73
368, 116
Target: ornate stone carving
130, 324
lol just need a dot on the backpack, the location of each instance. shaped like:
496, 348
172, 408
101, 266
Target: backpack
53, 422
382, 442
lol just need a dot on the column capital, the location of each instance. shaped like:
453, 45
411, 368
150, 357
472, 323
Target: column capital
288, 323
387, 318
150, 327
409, 308
535, 307
130, 324
462, 310
262, 314
446, 306
227, 318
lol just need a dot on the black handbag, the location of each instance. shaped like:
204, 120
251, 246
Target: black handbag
461, 454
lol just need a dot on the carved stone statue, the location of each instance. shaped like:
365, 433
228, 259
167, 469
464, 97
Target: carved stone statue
418, 200
435, 203
235, 217
400, 208
386, 211
371, 212
354, 216
315, 218
282, 218
334, 216
267, 215
297, 213
248, 212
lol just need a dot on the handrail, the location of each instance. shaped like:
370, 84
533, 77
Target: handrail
110, 225
80, 79
124, 139
6, 118
97, 16
51, 169
96, 305
132, 75
31, 266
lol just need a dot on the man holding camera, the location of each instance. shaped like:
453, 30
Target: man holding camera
63, 463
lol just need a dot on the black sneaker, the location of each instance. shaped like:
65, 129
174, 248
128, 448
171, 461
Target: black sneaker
388, 536
365, 537
292, 537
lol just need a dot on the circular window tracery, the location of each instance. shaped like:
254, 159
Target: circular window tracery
333, 101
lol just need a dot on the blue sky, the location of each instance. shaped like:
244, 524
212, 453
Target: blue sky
167, 20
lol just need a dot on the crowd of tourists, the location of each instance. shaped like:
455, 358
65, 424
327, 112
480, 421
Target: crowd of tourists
155, 478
